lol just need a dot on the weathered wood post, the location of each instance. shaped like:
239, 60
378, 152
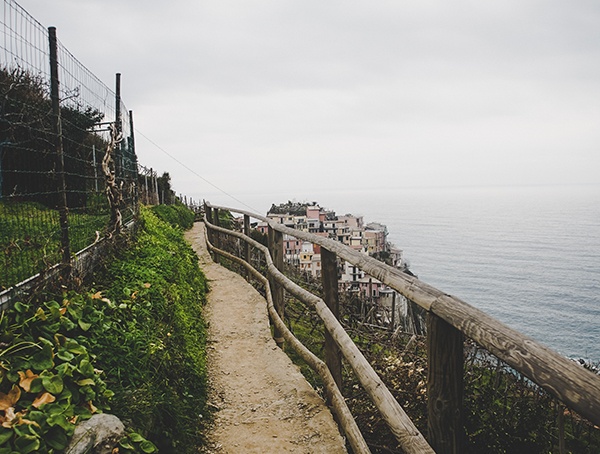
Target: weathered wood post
444, 386
216, 235
246, 246
209, 218
208, 212
276, 250
393, 325
329, 275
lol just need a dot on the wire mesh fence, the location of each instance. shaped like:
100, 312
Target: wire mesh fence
54, 166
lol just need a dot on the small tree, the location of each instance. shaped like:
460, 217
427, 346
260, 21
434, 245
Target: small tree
165, 193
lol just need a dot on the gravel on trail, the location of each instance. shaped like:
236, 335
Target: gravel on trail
263, 403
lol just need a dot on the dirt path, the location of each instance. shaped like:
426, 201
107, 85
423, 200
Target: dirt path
265, 404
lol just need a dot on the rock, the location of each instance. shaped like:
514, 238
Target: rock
97, 435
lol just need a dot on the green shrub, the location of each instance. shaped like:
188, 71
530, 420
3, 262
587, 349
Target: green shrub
177, 215
48, 381
136, 343
155, 354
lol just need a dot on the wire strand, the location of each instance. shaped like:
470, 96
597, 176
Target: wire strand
194, 172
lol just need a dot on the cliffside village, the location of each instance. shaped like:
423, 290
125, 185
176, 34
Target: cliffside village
350, 230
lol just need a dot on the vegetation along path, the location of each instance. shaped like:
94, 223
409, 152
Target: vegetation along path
264, 403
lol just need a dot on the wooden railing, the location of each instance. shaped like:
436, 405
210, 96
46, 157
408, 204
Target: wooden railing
449, 320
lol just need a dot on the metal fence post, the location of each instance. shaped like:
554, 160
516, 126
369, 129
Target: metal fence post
60, 160
118, 156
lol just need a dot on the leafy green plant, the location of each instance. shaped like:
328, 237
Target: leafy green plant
48, 381
139, 333
154, 351
177, 215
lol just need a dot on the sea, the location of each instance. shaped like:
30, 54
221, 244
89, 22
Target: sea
528, 256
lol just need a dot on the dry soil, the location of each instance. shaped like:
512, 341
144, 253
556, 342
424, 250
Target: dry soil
264, 404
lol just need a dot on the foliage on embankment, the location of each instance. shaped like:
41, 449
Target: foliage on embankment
504, 412
178, 215
133, 345
159, 347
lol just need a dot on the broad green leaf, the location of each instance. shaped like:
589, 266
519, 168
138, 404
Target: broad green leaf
135, 437
52, 305
147, 446
37, 416
125, 444
57, 408
67, 324
75, 347
5, 435
51, 329
59, 420
86, 381
84, 325
27, 443
74, 311
36, 385
87, 392
53, 384
20, 307
60, 339
43, 358
108, 393
57, 438
65, 369
65, 355
86, 368
65, 395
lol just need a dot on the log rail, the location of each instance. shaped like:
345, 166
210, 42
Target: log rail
449, 320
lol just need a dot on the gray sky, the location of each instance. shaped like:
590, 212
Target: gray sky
297, 97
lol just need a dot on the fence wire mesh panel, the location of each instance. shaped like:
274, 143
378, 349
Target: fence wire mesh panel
31, 170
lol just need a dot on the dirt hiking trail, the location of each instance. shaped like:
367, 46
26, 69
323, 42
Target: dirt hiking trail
264, 403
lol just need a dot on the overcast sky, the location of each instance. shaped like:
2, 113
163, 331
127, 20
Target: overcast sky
290, 98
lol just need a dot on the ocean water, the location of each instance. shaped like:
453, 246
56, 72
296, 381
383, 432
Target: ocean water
528, 256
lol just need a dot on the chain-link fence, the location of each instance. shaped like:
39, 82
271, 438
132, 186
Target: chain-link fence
66, 142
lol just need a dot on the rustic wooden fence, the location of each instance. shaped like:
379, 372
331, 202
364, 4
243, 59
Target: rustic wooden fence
449, 321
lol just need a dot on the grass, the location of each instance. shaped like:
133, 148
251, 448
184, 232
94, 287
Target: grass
140, 333
156, 350
30, 239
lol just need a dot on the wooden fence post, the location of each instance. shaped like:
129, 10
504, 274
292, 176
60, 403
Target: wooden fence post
208, 212
209, 233
276, 250
246, 246
393, 323
444, 386
329, 275
216, 235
